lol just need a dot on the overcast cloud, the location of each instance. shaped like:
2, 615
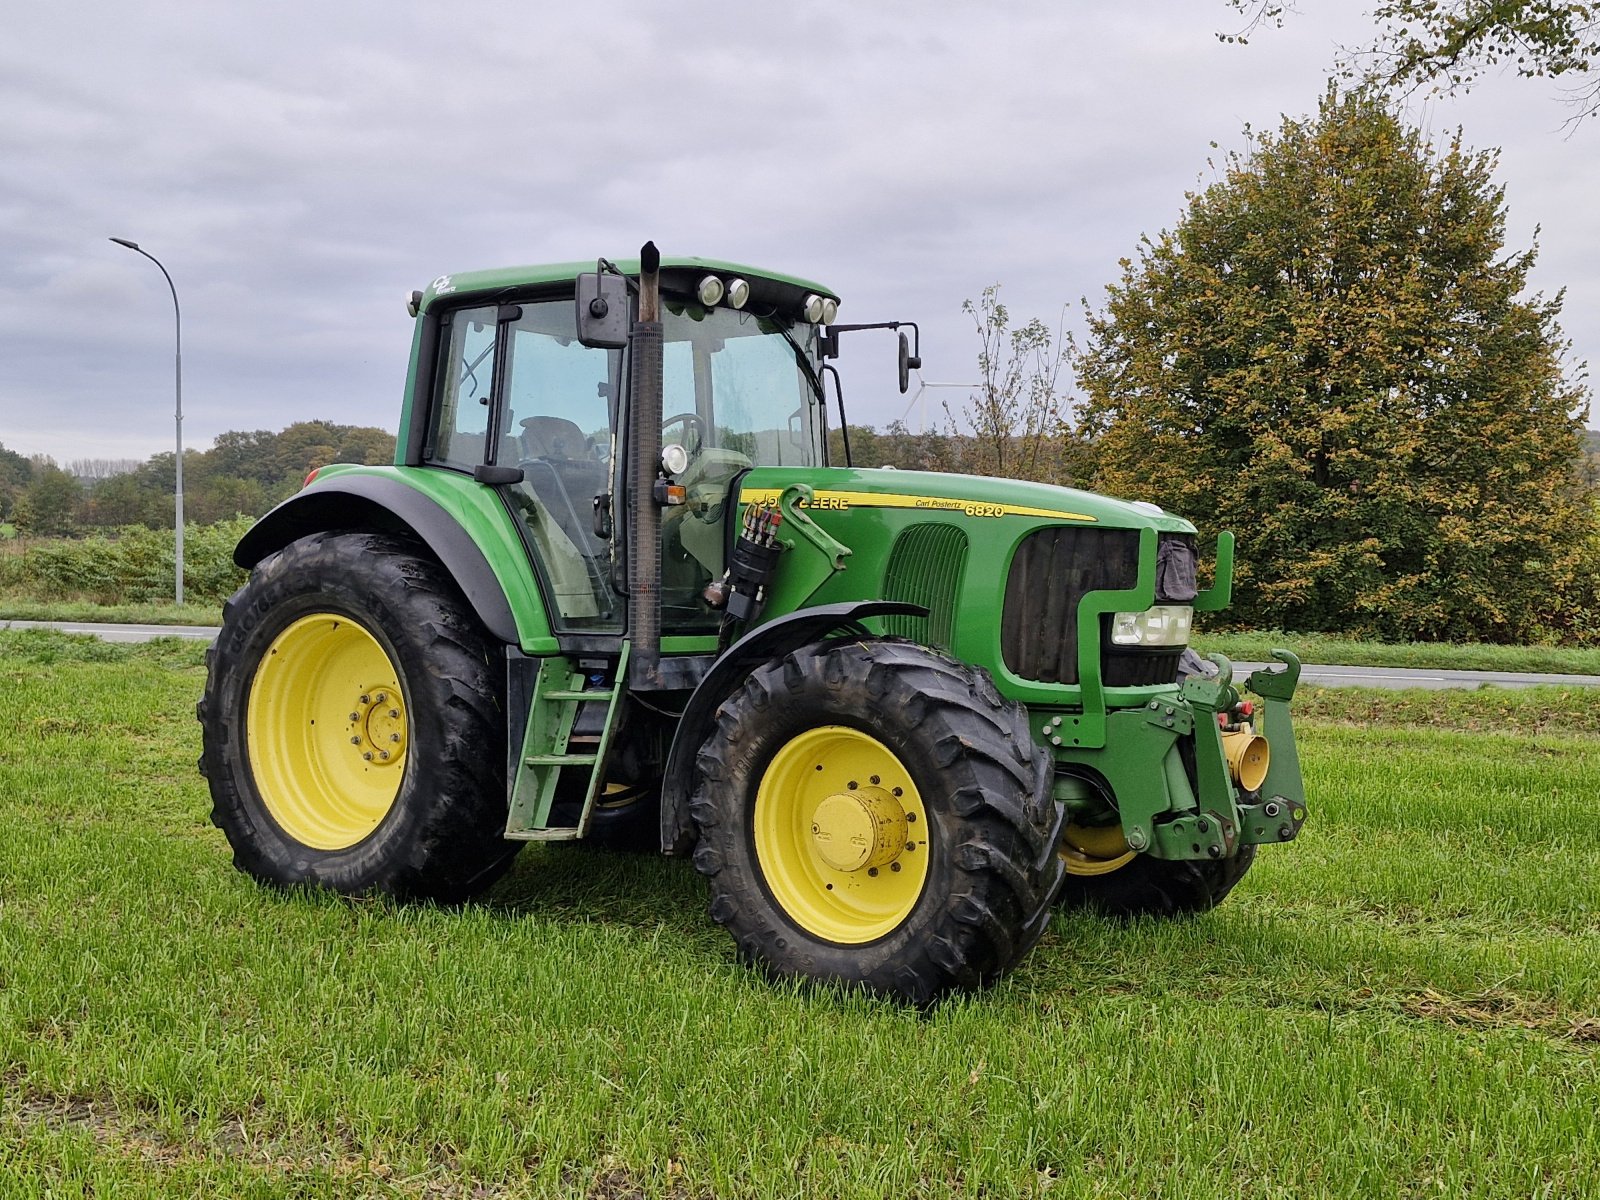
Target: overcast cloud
300, 167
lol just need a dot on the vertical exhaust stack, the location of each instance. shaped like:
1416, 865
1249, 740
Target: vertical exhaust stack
644, 541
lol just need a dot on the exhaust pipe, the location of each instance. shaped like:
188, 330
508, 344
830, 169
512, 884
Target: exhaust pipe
644, 441
1248, 757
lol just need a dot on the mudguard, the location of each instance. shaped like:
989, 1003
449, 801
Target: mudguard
770, 640
371, 502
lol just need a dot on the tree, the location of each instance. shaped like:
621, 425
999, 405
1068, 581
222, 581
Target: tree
1330, 356
1447, 45
15, 474
48, 505
1013, 425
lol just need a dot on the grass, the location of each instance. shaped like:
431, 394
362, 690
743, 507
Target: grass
1330, 649
1403, 1003
14, 608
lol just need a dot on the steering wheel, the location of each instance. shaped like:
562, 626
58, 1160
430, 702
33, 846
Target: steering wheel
691, 423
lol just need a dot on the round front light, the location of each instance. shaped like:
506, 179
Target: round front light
830, 311
738, 293
710, 290
812, 308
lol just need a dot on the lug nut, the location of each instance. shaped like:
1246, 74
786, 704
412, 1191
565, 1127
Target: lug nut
394, 737
894, 866
354, 717
366, 699
355, 741
382, 696
873, 871
367, 756
383, 754
1214, 850
394, 712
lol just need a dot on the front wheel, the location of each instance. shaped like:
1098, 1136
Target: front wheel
1105, 876
875, 814
351, 724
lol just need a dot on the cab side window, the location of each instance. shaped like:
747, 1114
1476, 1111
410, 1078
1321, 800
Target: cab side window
464, 382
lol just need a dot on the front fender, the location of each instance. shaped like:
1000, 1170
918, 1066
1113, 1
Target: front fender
771, 640
372, 502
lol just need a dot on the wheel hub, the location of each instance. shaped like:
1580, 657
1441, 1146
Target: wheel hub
378, 726
841, 834
859, 830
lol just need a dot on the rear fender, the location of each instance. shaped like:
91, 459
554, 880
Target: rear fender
370, 502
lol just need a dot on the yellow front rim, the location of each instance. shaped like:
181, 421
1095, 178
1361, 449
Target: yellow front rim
841, 835
326, 731
1094, 849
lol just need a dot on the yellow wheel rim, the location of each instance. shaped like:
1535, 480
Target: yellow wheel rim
1094, 849
326, 731
841, 835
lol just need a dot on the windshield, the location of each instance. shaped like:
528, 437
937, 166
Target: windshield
742, 384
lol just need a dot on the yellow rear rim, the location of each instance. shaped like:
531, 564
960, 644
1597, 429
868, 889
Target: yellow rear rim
841, 835
326, 731
1094, 849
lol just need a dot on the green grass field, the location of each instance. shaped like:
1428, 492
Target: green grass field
1406, 1002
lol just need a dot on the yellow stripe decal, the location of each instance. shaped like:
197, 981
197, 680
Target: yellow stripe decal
844, 501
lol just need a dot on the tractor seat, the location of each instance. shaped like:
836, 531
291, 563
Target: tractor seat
555, 438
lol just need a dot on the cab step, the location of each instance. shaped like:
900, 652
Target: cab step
550, 751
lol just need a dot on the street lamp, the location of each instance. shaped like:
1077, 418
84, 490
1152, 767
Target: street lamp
178, 413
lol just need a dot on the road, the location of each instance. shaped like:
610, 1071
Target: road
1323, 676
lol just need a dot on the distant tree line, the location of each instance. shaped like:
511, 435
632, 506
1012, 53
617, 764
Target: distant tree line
244, 473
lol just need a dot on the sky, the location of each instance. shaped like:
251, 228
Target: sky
299, 168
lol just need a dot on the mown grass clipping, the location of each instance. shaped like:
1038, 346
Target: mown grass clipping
1403, 1003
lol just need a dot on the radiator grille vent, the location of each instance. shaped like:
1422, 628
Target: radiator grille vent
1052, 570
925, 568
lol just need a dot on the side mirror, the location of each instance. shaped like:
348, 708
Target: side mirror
603, 311
909, 362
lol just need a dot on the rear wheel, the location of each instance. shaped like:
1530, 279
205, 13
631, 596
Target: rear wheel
875, 814
351, 723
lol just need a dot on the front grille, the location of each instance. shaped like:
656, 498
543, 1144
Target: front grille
1052, 571
1123, 669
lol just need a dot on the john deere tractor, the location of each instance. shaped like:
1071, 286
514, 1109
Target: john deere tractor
615, 587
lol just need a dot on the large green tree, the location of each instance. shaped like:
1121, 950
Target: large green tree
1333, 355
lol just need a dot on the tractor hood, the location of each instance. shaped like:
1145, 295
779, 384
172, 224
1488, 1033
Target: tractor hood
849, 488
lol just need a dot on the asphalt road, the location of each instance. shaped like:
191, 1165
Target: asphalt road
1372, 677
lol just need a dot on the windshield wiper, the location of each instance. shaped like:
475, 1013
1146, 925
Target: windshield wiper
805, 363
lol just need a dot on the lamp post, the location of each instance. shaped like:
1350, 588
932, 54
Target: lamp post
177, 413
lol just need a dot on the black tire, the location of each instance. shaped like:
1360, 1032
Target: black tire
440, 837
989, 833
1157, 887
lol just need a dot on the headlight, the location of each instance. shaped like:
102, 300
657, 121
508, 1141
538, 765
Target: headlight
813, 308
1163, 625
738, 293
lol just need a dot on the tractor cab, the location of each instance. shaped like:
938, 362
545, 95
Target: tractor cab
518, 400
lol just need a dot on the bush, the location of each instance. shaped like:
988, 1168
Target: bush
131, 565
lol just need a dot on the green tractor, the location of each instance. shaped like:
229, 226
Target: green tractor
614, 588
